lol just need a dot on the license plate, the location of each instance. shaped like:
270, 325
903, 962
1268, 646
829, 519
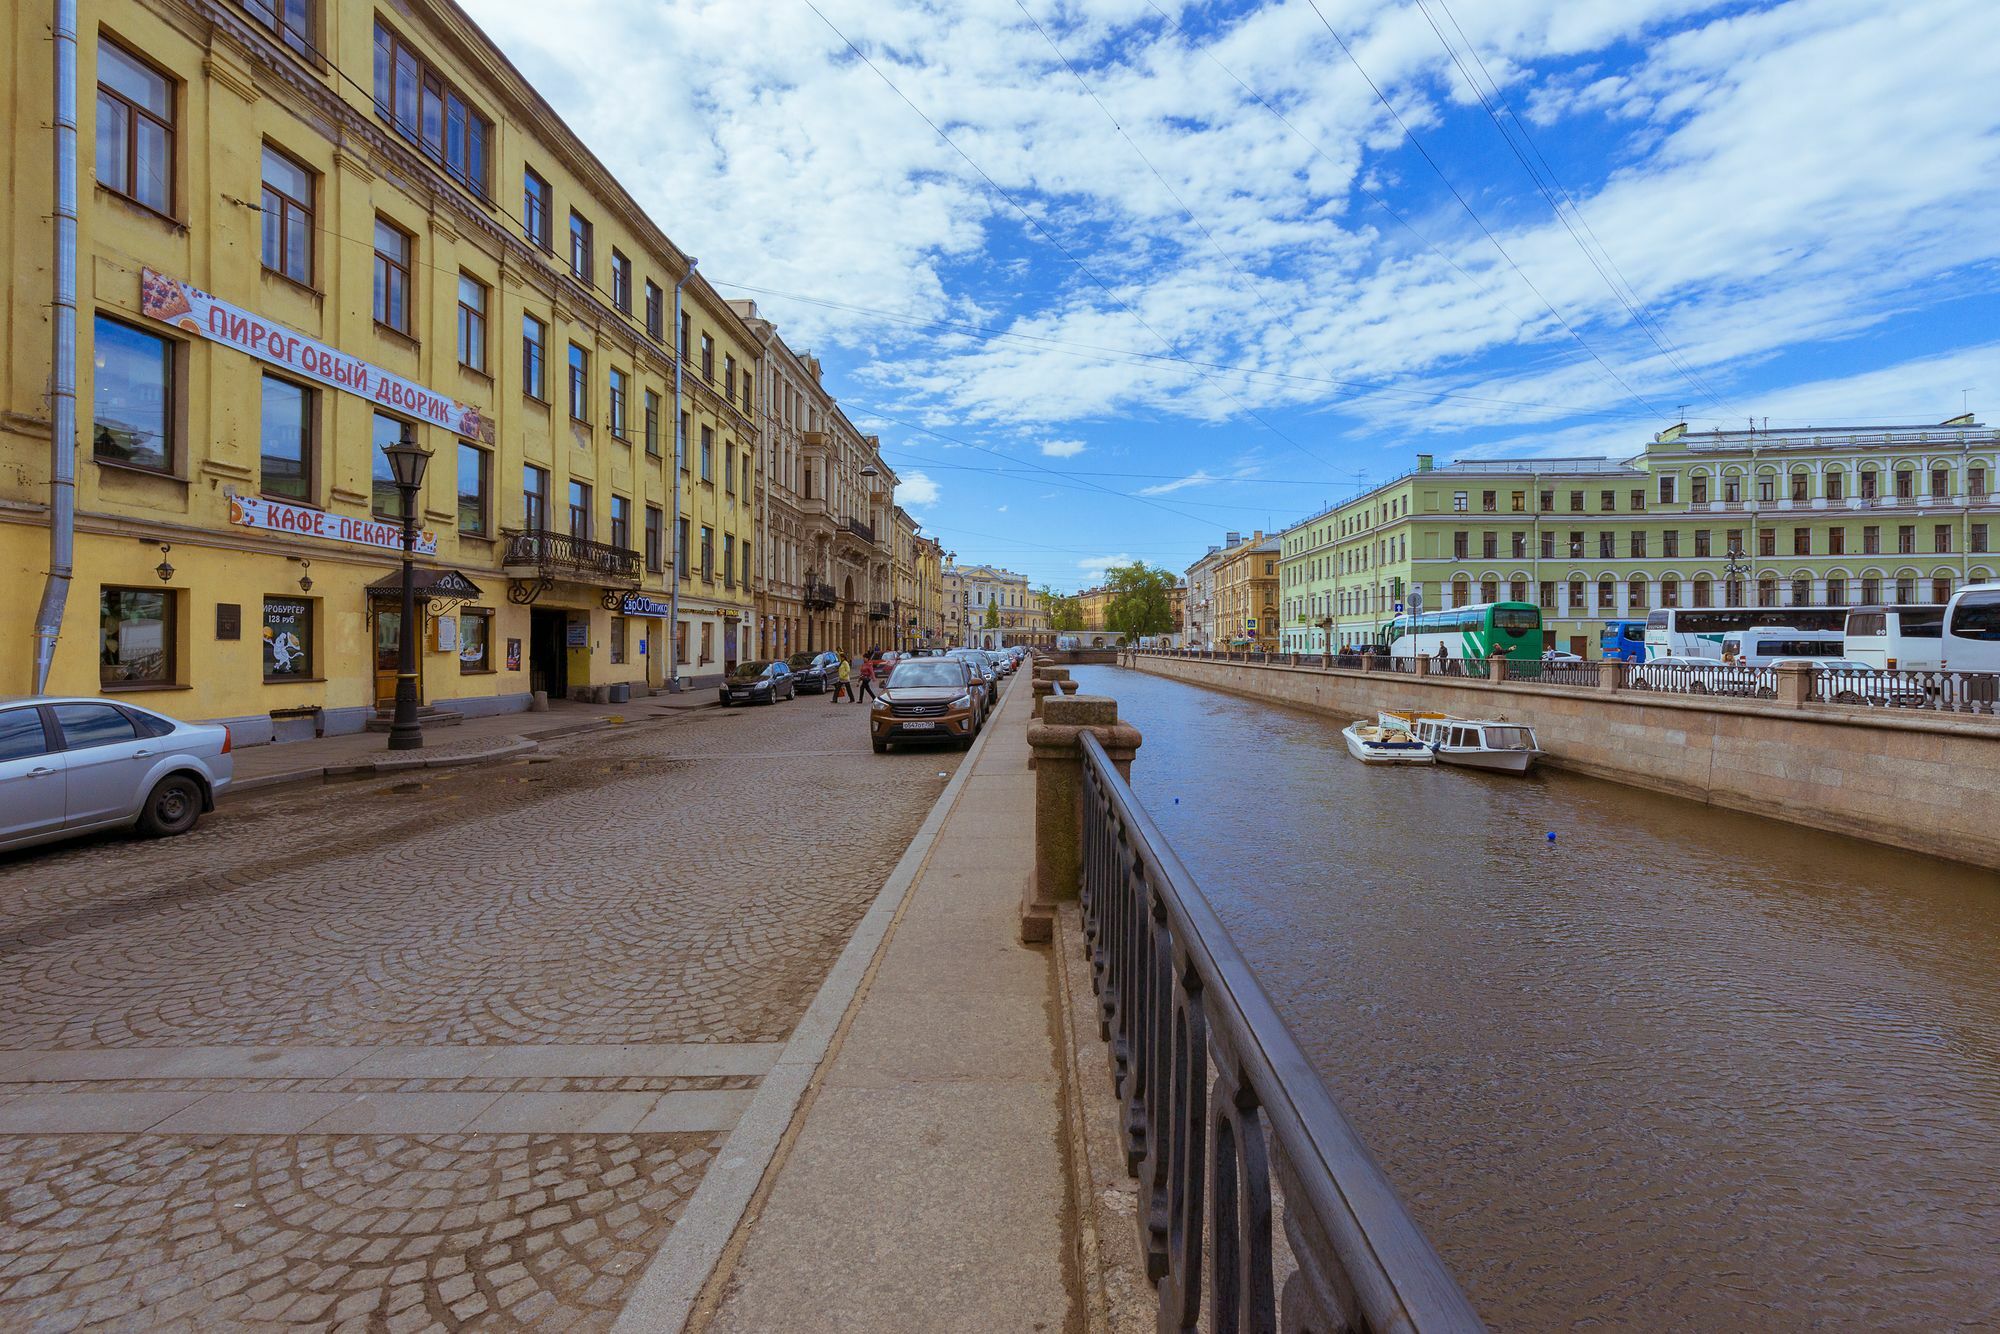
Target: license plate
918, 727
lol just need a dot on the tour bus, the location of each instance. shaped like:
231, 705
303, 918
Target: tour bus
1897, 638
1468, 632
1623, 641
1768, 643
1696, 632
1972, 629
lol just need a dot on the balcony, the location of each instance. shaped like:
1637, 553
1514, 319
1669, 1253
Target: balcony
878, 611
540, 554
856, 528
818, 597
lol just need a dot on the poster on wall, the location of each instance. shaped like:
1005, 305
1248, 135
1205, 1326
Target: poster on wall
513, 655
287, 630
579, 634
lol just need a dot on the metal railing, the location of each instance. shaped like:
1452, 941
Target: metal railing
819, 596
1941, 691
1222, 1110
1686, 678
559, 556
864, 531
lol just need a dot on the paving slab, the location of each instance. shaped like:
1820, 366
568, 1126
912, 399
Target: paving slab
239, 1113
89, 1113
403, 1113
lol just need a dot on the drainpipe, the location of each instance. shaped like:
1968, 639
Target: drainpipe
62, 370
674, 480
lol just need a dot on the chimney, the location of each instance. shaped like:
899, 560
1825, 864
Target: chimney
1423, 463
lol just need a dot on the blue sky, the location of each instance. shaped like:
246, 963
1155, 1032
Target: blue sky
1180, 269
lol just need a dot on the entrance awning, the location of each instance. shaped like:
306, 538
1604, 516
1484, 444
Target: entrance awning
431, 583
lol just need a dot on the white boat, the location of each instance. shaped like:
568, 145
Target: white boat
1475, 743
1374, 743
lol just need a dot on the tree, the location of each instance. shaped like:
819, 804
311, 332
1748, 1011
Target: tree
992, 615
1065, 610
1141, 601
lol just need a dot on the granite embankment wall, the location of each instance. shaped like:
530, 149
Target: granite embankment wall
1929, 782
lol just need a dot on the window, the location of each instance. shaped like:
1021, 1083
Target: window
1576, 544
1548, 593
1487, 502
655, 539
1906, 484
288, 639
1975, 481
1802, 541
1732, 490
1489, 590
1906, 539
708, 553
87, 725
681, 553
621, 281
1698, 489
708, 358
728, 468
385, 500
708, 454
1576, 595
1767, 542
285, 432
749, 400
288, 217
1871, 589
1576, 502
1638, 546
746, 562
729, 560
619, 388
708, 641
426, 109
1836, 542
579, 383
1638, 501
1702, 542
1767, 592
1941, 589
21, 734
1836, 591
747, 464
681, 642
1670, 592
1941, 537
579, 511
132, 397
1704, 593
1670, 542
1635, 594
1871, 540
1868, 484
135, 637
1977, 540
1458, 545
475, 642
618, 636
621, 523
1835, 484
475, 475
652, 423
472, 295
656, 311
1519, 545
1607, 594
681, 448
534, 498
1906, 589
392, 276
1520, 502
1607, 502
729, 378
1667, 489
1548, 501
135, 129
1607, 546
1458, 502
537, 210
1548, 545
1766, 490
289, 20
534, 358
1801, 487
1940, 483
687, 335
581, 263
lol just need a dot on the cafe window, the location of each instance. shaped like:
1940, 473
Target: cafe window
285, 432
618, 624
656, 318
472, 299
620, 387
621, 281
655, 556
288, 639
475, 475
386, 501
288, 217
426, 109
135, 128
621, 523
534, 358
579, 510
579, 383
537, 215
135, 637
475, 642
392, 276
132, 396
534, 498
581, 263
652, 423
289, 20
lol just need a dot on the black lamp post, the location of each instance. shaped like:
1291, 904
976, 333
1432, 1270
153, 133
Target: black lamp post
407, 462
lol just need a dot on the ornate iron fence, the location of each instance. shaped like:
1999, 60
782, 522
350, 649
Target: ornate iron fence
1687, 678
1940, 691
559, 556
1219, 1101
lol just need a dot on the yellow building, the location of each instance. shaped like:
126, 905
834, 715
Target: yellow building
298, 241
1094, 604
1246, 593
930, 625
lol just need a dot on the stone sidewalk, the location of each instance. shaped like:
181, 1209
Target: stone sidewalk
923, 1185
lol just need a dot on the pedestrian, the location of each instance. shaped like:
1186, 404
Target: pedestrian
868, 669
841, 684
1443, 652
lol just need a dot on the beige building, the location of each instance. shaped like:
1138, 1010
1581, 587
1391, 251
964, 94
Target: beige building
1246, 592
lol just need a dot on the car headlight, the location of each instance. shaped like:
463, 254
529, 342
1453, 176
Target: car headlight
760, 685
881, 705
963, 701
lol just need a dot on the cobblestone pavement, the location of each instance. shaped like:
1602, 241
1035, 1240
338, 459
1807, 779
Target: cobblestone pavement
420, 1051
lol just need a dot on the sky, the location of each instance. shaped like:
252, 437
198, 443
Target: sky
1112, 279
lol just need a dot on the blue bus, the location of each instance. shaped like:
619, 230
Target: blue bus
1623, 641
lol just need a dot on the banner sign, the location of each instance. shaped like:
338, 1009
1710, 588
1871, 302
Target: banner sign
277, 516
636, 604
171, 301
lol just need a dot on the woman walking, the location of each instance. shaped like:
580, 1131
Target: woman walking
868, 669
840, 684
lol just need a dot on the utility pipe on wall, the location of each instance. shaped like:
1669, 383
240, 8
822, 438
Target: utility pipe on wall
62, 368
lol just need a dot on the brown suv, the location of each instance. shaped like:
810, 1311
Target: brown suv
926, 699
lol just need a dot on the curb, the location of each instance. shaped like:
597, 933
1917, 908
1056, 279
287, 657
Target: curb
507, 748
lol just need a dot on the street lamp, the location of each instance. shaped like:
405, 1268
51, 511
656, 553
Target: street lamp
407, 461
1734, 570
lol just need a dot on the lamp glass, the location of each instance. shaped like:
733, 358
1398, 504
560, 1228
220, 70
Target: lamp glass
407, 461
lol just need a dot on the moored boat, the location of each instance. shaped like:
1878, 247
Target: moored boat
1382, 743
1473, 743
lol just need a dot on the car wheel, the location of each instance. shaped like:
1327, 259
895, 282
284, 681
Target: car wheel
171, 807
1847, 697
881, 747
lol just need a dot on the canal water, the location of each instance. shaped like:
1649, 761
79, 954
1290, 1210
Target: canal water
1674, 1067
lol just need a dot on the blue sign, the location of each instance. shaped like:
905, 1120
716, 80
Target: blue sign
638, 604
1399, 606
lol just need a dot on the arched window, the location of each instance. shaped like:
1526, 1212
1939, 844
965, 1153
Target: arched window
1461, 591
1906, 588
1635, 591
1802, 590
1670, 592
1836, 591
1517, 590
1836, 484
1767, 592
1801, 486
1704, 593
1489, 590
1941, 589
1607, 593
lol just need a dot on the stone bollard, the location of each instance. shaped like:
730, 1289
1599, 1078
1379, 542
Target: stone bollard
1057, 759
1423, 664
538, 701
1610, 674
1496, 666
1795, 684
1044, 684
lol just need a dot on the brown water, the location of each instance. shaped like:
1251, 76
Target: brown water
1678, 1068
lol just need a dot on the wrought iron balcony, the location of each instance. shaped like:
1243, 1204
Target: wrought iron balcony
878, 611
864, 531
819, 596
538, 553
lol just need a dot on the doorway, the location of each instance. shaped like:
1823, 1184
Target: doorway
388, 618
548, 652
1580, 645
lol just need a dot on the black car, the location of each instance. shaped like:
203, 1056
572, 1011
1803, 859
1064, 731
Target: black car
982, 667
814, 673
758, 683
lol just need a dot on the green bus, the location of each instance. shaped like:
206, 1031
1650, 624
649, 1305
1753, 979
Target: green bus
1476, 632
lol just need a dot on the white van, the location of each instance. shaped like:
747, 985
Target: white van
1897, 638
1971, 641
1766, 644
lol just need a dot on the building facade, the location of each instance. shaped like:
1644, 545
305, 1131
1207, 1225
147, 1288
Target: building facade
903, 620
1818, 516
930, 609
1198, 601
283, 269
995, 606
1246, 593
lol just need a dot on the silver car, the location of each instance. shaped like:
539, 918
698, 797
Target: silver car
75, 765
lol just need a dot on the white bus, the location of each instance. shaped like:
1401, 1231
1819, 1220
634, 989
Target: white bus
1769, 643
1971, 641
1696, 632
1905, 637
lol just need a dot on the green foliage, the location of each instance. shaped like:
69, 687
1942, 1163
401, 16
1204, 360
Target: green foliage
992, 615
1065, 610
1141, 601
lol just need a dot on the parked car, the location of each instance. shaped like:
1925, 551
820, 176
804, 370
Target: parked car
1852, 681
74, 765
1700, 676
983, 671
931, 699
810, 674
1003, 661
758, 682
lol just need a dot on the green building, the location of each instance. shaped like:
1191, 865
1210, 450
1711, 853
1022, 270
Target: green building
1817, 516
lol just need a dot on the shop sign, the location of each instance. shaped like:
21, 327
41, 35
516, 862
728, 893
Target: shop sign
637, 604
278, 516
187, 307
579, 634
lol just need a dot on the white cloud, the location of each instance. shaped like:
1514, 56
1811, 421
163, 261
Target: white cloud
1061, 449
1094, 567
1199, 477
916, 489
